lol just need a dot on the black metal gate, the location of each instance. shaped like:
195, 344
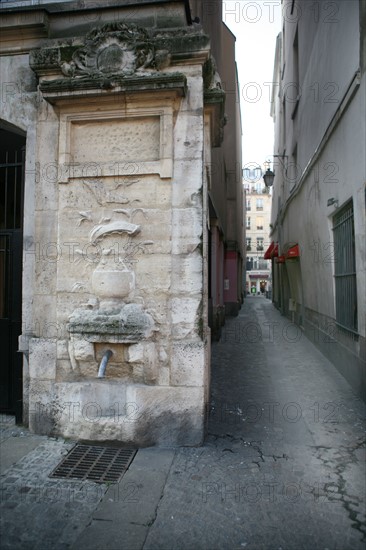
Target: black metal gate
11, 237
345, 269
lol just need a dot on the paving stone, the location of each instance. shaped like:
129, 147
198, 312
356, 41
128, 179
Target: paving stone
282, 467
274, 471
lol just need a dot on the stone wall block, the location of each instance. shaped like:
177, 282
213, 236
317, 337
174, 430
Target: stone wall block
151, 370
184, 312
45, 323
42, 407
83, 350
167, 415
135, 353
187, 275
62, 349
193, 102
91, 409
42, 359
153, 273
188, 364
187, 223
46, 273
188, 137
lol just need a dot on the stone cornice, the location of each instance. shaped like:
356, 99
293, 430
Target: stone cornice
56, 90
183, 47
23, 28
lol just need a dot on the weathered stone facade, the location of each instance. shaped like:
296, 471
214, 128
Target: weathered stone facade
120, 118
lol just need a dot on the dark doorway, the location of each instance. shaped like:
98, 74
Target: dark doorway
12, 157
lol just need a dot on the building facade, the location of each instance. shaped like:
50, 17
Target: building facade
257, 229
225, 190
318, 213
112, 113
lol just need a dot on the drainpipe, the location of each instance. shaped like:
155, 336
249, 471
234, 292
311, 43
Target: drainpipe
103, 364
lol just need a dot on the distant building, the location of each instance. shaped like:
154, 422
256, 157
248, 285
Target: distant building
258, 213
318, 213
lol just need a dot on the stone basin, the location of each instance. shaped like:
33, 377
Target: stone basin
129, 323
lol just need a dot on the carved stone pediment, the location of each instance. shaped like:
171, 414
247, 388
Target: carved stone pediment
112, 49
118, 58
119, 49
115, 48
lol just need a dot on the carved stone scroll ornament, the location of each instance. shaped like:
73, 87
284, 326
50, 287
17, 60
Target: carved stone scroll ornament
115, 48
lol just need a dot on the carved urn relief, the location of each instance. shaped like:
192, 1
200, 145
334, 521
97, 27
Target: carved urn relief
112, 283
112, 278
111, 319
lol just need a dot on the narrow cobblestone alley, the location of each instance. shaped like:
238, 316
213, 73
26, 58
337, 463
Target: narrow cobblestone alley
283, 466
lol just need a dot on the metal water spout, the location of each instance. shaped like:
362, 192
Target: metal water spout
103, 364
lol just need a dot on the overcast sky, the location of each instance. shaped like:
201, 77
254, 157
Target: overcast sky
256, 26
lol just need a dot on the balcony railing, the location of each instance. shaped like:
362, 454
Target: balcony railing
259, 248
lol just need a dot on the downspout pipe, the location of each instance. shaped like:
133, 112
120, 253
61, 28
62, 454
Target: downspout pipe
103, 364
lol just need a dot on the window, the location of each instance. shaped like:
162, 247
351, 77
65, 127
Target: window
248, 222
259, 187
283, 122
295, 93
259, 222
259, 204
259, 263
345, 269
248, 204
259, 243
252, 174
293, 171
249, 243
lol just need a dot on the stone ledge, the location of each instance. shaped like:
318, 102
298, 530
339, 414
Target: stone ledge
54, 90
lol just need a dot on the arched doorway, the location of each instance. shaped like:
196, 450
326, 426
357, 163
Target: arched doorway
12, 157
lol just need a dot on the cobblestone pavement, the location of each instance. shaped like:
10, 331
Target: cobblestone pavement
38, 512
282, 468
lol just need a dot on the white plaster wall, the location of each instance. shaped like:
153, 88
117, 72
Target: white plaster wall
331, 114
327, 73
309, 220
329, 58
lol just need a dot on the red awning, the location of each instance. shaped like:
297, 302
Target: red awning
275, 251
280, 259
293, 252
267, 254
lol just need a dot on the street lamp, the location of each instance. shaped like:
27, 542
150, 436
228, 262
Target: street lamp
268, 178
269, 175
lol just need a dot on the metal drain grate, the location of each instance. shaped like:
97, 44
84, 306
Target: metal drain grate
96, 463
